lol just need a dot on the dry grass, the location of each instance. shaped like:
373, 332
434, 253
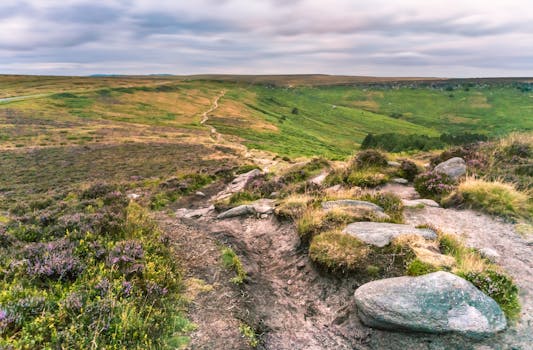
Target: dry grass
496, 197
338, 251
294, 205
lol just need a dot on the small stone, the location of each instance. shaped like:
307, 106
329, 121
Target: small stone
134, 196
400, 181
300, 265
491, 254
394, 164
264, 216
318, 180
200, 194
415, 203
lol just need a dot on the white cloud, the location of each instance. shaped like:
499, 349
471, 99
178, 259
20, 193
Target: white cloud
379, 37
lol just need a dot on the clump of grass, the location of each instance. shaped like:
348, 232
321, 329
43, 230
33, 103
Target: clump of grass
391, 204
408, 170
293, 206
338, 252
309, 224
367, 177
304, 172
250, 335
417, 267
242, 197
495, 197
232, 261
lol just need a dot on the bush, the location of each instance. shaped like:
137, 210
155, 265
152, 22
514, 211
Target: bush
434, 185
408, 170
54, 260
366, 178
338, 252
499, 287
369, 158
495, 198
391, 204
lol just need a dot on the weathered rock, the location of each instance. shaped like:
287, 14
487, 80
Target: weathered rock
363, 210
351, 203
414, 203
238, 183
439, 302
490, 254
193, 213
200, 194
263, 206
401, 181
319, 179
454, 167
381, 234
393, 164
241, 210
133, 196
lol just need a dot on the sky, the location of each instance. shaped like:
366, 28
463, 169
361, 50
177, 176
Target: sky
450, 38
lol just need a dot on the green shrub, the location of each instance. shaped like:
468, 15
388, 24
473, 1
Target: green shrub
434, 185
499, 287
232, 261
391, 204
408, 169
250, 335
368, 177
246, 168
369, 158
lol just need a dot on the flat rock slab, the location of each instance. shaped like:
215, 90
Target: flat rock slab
454, 167
241, 210
413, 203
193, 213
438, 302
238, 183
401, 181
351, 203
381, 234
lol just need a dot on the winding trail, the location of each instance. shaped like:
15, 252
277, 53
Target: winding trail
20, 98
205, 117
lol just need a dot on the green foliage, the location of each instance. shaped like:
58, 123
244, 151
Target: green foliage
85, 289
232, 261
391, 204
369, 159
499, 287
367, 177
175, 187
434, 185
242, 197
393, 142
304, 172
417, 267
408, 170
250, 335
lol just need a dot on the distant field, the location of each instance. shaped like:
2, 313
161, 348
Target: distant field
311, 117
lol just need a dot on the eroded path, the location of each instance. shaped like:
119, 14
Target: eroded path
295, 306
205, 117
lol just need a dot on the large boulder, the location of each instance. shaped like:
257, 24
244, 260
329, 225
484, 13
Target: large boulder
454, 167
380, 234
439, 302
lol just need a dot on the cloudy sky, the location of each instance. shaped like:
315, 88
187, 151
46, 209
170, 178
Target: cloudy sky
459, 38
